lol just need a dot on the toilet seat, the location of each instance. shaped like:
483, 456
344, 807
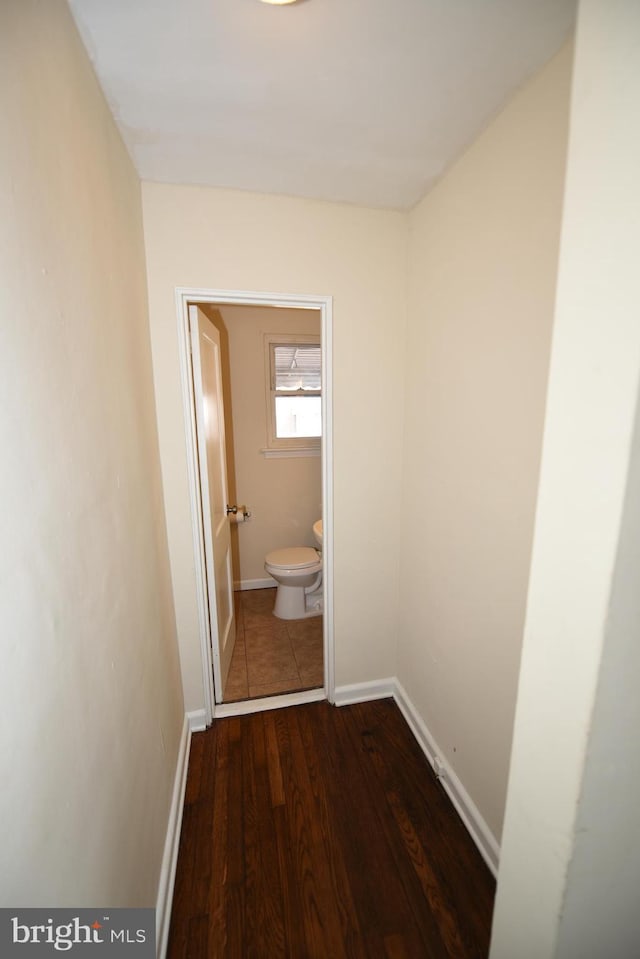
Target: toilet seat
293, 557
298, 572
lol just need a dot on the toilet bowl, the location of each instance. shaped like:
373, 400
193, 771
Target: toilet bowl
298, 573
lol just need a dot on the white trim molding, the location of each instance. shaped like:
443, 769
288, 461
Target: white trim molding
207, 627
364, 692
245, 706
167, 879
465, 806
297, 451
197, 720
462, 801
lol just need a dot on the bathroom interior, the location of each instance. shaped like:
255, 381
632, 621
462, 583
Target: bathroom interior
276, 483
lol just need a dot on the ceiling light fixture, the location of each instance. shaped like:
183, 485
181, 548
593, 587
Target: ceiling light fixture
279, 2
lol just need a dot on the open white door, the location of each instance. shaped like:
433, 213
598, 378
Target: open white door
207, 383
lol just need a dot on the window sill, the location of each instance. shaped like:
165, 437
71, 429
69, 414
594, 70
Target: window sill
291, 451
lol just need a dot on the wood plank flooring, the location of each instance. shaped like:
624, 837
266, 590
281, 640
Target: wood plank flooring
318, 832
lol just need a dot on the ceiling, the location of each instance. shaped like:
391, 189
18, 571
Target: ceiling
362, 101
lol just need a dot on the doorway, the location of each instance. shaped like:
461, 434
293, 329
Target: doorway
254, 591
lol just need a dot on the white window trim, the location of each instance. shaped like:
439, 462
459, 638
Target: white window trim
294, 445
291, 452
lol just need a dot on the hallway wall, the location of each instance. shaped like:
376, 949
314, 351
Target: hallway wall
570, 870
218, 239
89, 685
483, 250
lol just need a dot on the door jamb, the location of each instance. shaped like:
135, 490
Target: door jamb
185, 296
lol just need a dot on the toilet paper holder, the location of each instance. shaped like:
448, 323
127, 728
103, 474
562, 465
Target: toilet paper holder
234, 510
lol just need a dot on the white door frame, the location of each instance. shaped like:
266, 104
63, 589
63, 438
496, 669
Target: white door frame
184, 296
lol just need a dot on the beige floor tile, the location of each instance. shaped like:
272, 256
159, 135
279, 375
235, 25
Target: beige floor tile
309, 661
239, 615
306, 632
236, 689
272, 655
308, 656
239, 654
260, 619
269, 656
269, 636
271, 666
273, 689
237, 686
259, 600
312, 678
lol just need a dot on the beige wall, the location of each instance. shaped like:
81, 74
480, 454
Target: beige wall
217, 239
570, 869
89, 684
482, 268
283, 494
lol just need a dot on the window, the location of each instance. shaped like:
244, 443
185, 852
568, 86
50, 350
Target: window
294, 375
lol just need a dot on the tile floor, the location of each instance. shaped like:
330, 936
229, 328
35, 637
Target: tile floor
272, 655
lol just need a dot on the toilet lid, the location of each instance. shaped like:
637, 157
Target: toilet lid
294, 557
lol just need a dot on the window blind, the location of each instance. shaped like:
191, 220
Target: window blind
297, 367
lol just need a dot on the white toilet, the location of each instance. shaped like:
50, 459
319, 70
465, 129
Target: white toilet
298, 573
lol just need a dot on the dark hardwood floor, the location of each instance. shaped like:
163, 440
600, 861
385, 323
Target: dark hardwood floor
317, 831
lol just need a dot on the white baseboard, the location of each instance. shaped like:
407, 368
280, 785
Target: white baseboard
245, 706
197, 720
266, 583
467, 810
172, 842
364, 692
